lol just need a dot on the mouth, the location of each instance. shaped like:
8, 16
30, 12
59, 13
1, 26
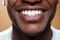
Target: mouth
32, 14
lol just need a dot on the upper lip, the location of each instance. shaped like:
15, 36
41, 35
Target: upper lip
32, 8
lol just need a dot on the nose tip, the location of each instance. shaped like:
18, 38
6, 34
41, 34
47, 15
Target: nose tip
32, 2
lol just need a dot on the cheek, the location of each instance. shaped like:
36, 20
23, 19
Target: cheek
11, 2
52, 2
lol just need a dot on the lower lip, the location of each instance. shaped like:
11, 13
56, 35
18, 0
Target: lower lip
32, 18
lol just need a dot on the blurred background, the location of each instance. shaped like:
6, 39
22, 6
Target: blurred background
5, 22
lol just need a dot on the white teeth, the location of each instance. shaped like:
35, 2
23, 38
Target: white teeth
32, 13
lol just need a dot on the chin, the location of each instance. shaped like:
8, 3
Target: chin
32, 29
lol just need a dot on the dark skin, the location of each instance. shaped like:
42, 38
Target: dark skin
31, 27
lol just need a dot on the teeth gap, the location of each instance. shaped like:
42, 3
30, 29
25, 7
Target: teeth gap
44, 10
19, 11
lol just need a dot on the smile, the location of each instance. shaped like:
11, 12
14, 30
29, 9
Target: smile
31, 12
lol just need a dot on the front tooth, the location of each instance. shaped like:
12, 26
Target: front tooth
40, 12
30, 13
26, 12
36, 12
33, 12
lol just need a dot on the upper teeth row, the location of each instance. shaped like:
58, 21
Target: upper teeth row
33, 12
